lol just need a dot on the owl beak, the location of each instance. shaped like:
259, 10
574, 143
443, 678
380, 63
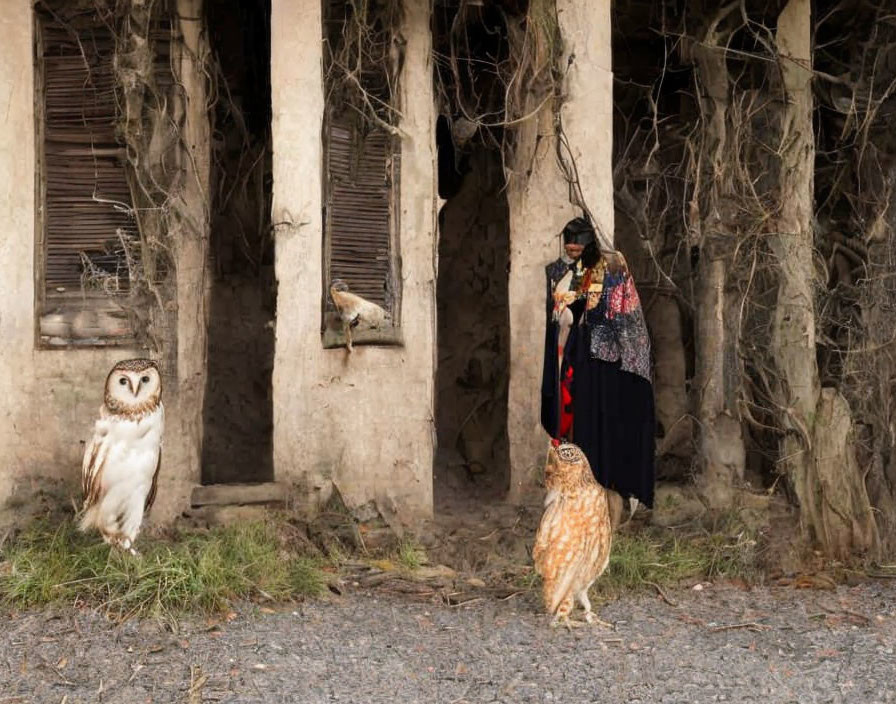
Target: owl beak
137, 390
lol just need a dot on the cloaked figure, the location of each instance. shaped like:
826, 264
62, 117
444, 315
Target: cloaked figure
597, 389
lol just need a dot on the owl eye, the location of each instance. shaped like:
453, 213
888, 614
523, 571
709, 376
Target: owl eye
123, 381
144, 379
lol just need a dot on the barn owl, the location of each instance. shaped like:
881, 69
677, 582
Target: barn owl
572, 545
355, 311
120, 471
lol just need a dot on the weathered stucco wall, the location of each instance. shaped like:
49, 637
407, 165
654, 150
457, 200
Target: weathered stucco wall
46, 397
365, 421
50, 398
539, 207
538, 210
362, 422
587, 113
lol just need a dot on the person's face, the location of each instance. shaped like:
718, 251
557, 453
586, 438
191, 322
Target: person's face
573, 251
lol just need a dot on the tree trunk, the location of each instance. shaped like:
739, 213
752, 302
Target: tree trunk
169, 150
835, 503
817, 452
670, 377
146, 130
189, 229
721, 442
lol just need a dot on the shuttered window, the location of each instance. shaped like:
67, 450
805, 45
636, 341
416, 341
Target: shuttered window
87, 234
362, 179
361, 195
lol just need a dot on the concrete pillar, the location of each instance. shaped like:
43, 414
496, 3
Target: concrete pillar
538, 196
182, 453
587, 113
362, 423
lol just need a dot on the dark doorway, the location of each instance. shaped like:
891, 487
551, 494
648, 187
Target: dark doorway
238, 413
474, 248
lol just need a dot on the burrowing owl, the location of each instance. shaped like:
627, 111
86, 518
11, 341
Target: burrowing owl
572, 546
121, 462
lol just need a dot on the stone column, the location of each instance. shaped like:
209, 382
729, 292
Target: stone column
17, 232
361, 423
587, 112
182, 453
538, 196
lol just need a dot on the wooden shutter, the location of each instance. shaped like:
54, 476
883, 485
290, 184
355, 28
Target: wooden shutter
86, 204
362, 165
83, 162
362, 175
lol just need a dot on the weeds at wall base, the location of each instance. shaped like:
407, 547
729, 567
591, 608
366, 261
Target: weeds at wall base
202, 572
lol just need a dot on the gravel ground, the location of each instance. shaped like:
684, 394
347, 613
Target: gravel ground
716, 644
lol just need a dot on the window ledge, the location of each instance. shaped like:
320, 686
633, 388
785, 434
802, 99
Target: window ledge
84, 322
385, 336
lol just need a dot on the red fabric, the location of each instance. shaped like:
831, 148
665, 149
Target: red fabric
566, 404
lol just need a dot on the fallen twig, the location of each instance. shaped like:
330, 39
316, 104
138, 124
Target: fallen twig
662, 594
197, 682
854, 614
466, 602
509, 596
882, 575
751, 626
62, 678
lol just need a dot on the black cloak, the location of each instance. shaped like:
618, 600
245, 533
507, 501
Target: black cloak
613, 406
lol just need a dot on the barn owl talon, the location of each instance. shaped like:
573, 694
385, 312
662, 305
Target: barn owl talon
595, 621
589, 616
565, 621
128, 547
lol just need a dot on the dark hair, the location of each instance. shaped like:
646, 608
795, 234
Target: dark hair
578, 231
590, 255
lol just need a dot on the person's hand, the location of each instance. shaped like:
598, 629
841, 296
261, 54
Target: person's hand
564, 297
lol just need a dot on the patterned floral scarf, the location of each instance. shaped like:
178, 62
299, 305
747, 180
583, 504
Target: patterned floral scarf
616, 323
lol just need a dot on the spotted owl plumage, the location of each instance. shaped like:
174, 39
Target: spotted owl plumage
572, 545
120, 471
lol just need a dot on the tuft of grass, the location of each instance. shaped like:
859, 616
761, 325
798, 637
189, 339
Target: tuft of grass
666, 558
410, 555
527, 580
191, 572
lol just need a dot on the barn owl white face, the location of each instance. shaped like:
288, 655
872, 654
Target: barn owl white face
133, 387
